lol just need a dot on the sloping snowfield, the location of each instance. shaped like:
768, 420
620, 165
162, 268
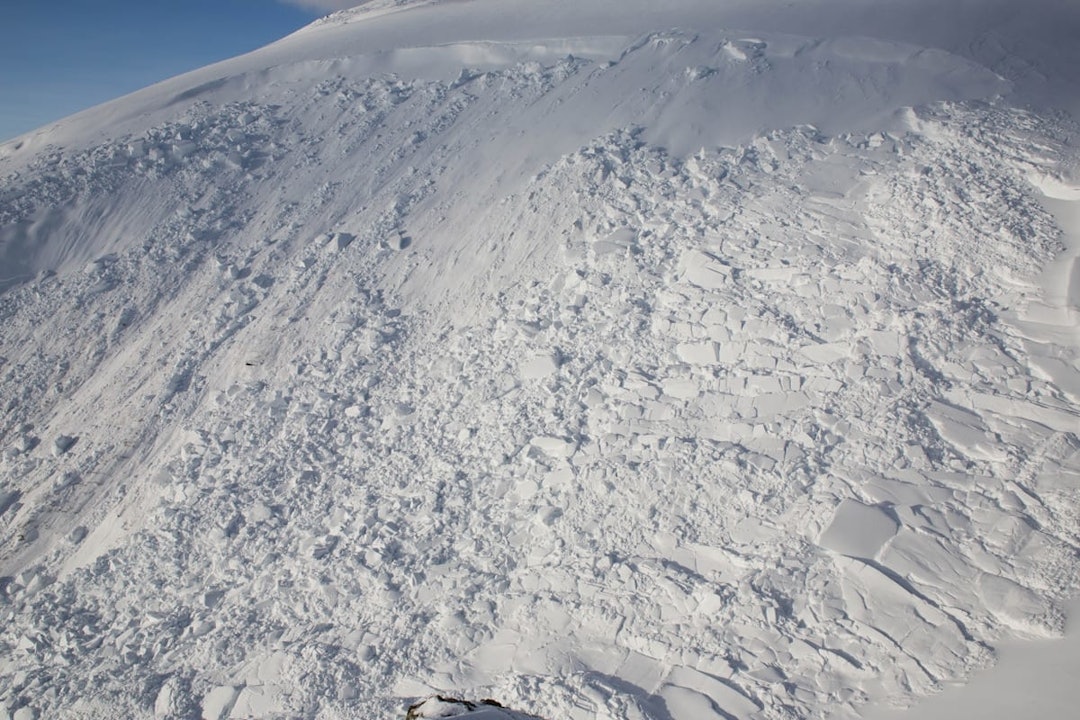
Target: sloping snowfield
630, 360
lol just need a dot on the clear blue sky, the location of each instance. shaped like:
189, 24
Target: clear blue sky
61, 56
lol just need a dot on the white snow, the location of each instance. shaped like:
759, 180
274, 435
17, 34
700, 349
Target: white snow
858, 530
609, 359
1030, 678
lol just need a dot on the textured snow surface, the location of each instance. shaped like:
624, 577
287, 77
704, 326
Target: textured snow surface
674, 363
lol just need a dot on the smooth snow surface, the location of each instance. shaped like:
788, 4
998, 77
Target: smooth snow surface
1030, 679
658, 361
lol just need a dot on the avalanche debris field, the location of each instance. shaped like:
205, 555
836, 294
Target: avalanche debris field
611, 361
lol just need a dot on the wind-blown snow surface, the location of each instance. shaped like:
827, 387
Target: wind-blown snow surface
677, 362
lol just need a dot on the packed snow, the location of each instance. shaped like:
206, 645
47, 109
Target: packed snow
651, 361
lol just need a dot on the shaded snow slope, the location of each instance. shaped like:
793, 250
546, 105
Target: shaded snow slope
701, 362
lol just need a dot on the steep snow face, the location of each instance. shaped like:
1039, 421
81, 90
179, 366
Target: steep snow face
670, 363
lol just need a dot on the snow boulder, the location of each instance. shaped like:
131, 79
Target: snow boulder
25, 443
441, 706
63, 443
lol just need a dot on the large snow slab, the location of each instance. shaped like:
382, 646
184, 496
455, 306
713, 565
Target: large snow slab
858, 530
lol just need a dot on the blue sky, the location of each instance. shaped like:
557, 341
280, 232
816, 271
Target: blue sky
61, 56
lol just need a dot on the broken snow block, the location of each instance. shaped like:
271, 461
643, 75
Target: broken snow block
341, 241
704, 270
858, 530
255, 702
219, 702
539, 366
8, 500
554, 447
63, 443
697, 353
25, 443
825, 353
322, 547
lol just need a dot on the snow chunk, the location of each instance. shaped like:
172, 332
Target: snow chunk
697, 353
824, 353
777, 274
63, 443
219, 702
553, 446
24, 443
681, 388
255, 702
8, 498
858, 530
539, 366
887, 343
704, 270
619, 241
340, 241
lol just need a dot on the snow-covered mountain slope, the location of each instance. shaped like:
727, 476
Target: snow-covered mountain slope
613, 360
